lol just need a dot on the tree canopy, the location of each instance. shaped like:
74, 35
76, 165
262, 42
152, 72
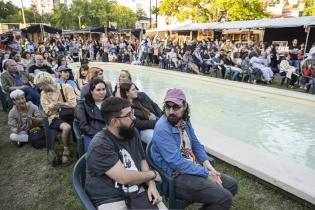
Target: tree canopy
213, 10
91, 13
309, 8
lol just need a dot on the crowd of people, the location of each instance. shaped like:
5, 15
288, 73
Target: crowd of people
116, 120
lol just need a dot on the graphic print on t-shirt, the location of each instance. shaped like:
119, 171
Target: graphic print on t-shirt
129, 164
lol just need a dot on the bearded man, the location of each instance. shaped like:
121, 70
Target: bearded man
177, 151
116, 167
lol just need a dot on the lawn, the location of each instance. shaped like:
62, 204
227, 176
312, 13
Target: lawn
27, 181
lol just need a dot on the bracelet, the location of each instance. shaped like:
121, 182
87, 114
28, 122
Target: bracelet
155, 174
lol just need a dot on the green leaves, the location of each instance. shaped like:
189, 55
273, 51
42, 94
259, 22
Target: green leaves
213, 10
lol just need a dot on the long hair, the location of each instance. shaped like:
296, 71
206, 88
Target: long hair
124, 88
83, 66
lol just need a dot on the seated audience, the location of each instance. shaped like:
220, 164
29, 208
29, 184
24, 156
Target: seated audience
177, 151
22, 117
146, 111
124, 77
88, 111
288, 71
64, 73
82, 76
95, 72
39, 66
54, 99
116, 167
13, 79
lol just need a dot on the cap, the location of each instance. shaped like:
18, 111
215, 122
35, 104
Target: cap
63, 68
175, 95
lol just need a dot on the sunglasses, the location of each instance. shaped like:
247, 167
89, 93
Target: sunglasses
175, 107
100, 89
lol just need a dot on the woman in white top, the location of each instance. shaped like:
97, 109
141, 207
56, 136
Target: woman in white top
288, 71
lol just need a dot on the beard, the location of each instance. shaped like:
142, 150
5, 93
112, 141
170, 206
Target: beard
173, 119
127, 132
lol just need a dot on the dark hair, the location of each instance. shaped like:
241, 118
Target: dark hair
25, 53
92, 84
84, 61
60, 59
83, 66
112, 107
95, 82
124, 88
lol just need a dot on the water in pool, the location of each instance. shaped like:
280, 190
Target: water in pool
274, 125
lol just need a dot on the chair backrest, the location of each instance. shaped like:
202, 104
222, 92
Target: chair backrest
78, 182
78, 134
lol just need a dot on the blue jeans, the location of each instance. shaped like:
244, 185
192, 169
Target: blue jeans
86, 142
235, 74
295, 63
32, 95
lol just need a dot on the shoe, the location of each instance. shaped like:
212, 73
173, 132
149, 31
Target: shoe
66, 159
53, 158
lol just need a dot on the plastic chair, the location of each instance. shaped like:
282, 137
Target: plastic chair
78, 182
77, 134
173, 202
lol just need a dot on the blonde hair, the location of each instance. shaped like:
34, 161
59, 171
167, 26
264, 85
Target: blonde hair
43, 77
93, 73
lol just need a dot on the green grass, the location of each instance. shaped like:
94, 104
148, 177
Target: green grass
27, 181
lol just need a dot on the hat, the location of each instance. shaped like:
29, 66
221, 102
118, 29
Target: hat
175, 95
63, 68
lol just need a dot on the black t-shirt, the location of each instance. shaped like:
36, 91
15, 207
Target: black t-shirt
294, 55
101, 156
43, 68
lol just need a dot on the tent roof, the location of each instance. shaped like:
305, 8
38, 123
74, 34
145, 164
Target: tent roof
261, 23
37, 29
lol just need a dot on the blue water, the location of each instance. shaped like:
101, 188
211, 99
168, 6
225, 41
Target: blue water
273, 124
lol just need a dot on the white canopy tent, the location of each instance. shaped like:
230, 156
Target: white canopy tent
261, 23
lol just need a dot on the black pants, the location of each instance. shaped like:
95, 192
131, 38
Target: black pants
201, 190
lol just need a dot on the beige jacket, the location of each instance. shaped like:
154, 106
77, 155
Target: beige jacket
50, 98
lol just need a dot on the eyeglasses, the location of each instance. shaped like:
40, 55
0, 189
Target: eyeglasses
100, 89
175, 107
131, 115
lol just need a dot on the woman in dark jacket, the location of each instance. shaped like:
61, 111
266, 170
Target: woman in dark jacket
88, 111
146, 111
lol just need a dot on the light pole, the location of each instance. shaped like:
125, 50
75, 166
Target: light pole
23, 15
156, 13
79, 17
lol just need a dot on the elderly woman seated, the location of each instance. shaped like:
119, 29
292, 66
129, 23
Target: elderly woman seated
88, 111
22, 117
58, 102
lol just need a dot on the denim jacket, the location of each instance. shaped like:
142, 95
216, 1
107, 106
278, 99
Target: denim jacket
165, 150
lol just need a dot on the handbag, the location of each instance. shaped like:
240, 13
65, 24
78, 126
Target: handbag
36, 137
65, 113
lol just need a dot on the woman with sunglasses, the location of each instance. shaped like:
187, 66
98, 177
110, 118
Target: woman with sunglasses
146, 111
88, 111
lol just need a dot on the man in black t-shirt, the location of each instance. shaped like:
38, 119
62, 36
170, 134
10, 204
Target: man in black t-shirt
39, 66
116, 168
294, 51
